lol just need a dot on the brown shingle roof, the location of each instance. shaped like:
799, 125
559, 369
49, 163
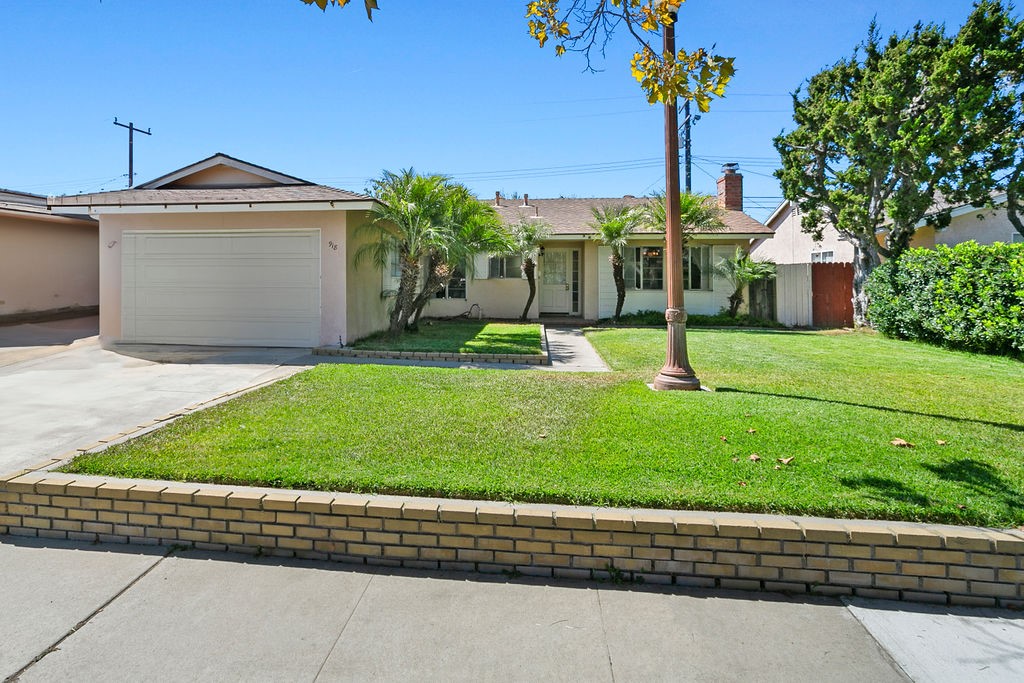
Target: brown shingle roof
241, 195
573, 216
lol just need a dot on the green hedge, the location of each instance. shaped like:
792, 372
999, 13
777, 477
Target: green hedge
657, 319
969, 297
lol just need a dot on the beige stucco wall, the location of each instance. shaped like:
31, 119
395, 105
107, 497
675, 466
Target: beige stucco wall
982, 226
496, 297
47, 264
791, 245
506, 297
221, 176
366, 309
334, 257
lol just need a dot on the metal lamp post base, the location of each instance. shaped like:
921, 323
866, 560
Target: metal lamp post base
676, 375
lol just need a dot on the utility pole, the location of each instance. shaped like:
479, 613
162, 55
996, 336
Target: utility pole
688, 121
131, 145
676, 373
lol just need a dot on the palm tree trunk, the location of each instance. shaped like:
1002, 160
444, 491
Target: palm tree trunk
620, 284
530, 270
404, 299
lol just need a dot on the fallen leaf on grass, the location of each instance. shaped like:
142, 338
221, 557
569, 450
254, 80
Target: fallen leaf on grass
751, 431
961, 506
746, 414
778, 467
542, 436
754, 457
743, 483
786, 461
901, 443
735, 459
941, 442
724, 438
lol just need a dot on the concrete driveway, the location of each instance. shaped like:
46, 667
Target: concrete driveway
59, 390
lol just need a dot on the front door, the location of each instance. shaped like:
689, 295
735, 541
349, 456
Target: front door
556, 281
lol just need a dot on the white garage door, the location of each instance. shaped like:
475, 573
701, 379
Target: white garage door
258, 288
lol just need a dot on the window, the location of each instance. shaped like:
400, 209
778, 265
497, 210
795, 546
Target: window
697, 273
647, 267
396, 267
456, 287
823, 256
505, 267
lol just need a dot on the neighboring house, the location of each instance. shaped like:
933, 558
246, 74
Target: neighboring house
225, 252
790, 244
983, 225
574, 276
49, 261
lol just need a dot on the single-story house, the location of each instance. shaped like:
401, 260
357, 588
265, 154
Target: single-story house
574, 275
48, 260
225, 252
790, 244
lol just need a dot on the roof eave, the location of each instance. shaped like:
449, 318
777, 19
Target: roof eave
225, 207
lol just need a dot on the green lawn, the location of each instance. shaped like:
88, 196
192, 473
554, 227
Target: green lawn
831, 402
461, 336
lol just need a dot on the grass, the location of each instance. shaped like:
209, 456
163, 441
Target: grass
461, 336
832, 402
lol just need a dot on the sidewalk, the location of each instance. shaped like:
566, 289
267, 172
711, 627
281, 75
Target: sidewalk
124, 613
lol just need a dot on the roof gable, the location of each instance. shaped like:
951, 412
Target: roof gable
221, 171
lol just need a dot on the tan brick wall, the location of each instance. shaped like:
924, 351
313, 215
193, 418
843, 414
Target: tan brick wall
895, 560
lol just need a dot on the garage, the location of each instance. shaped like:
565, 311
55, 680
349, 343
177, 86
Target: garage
221, 288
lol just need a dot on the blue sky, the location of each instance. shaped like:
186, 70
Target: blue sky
455, 87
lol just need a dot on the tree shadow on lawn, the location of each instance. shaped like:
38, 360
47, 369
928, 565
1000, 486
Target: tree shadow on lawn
978, 477
887, 490
981, 478
901, 411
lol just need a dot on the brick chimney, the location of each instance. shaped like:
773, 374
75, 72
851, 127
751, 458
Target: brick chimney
497, 197
730, 188
526, 199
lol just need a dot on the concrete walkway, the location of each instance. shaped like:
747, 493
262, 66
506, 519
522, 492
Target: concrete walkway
85, 613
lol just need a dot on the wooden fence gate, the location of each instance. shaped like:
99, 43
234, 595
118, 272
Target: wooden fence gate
832, 294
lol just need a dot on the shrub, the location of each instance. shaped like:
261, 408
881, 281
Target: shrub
720, 319
968, 297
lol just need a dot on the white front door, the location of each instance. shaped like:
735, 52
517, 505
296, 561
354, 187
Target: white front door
556, 281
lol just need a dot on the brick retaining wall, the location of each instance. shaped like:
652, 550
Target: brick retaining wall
894, 560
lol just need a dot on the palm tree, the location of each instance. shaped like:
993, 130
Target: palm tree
697, 213
470, 228
741, 271
614, 225
408, 220
526, 238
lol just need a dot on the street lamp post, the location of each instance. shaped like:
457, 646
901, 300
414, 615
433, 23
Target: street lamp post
676, 374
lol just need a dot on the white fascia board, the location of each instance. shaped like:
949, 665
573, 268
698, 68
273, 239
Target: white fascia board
229, 208
778, 211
